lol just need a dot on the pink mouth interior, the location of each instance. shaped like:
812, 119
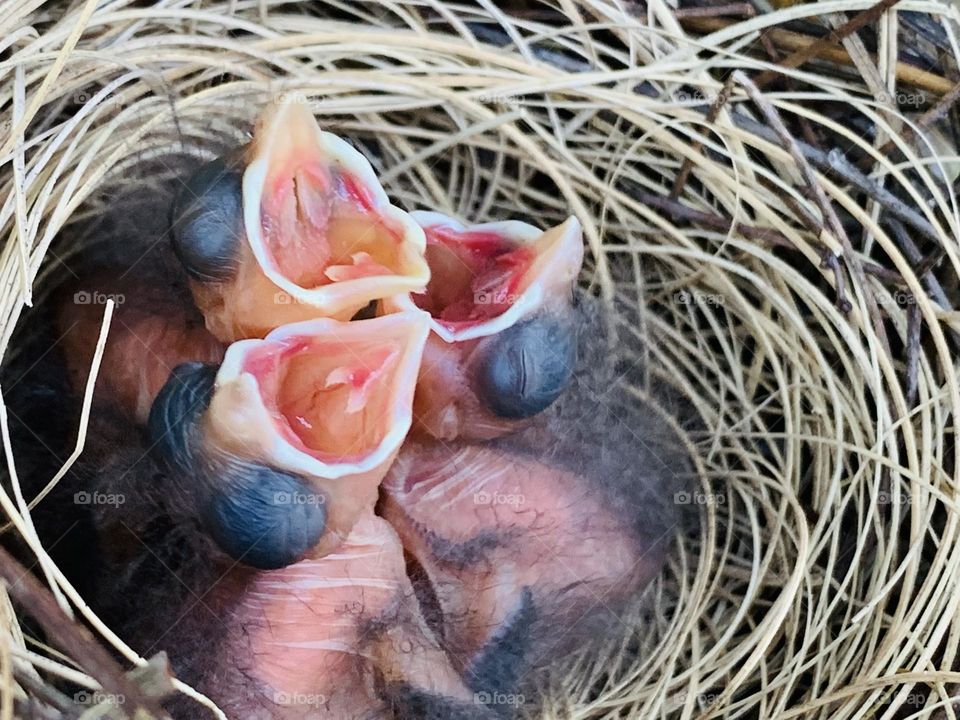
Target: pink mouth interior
474, 276
321, 227
330, 399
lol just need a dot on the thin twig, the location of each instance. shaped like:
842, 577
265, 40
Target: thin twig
837, 162
742, 8
826, 207
908, 133
712, 113
906, 74
921, 264
832, 39
831, 262
914, 328
678, 211
805, 127
72, 637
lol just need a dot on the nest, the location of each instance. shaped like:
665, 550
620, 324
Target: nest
776, 223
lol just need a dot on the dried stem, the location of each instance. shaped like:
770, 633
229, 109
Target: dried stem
831, 219
75, 639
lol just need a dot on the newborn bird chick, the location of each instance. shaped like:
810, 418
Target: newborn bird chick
503, 345
284, 446
514, 542
293, 227
280, 450
338, 638
525, 546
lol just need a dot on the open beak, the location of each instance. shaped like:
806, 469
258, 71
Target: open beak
319, 235
327, 401
503, 341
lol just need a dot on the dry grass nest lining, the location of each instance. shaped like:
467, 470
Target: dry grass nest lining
824, 580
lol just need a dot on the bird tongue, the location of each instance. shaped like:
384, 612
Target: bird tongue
333, 395
476, 275
360, 379
334, 411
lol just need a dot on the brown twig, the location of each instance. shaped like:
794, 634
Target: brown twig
914, 327
935, 114
712, 113
929, 262
832, 39
830, 261
906, 74
922, 265
678, 211
831, 219
805, 127
837, 162
790, 145
827, 258
72, 637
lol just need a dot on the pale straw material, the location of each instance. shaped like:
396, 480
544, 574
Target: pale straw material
824, 582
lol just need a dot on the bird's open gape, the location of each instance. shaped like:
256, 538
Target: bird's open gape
411, 507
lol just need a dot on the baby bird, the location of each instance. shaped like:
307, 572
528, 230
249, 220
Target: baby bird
527, 546
284, 446
293, 227
403, 516
297, 226
503, 343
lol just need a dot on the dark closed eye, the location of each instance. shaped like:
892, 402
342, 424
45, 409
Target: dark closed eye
264, 517
207, 220
258, 515
524, 369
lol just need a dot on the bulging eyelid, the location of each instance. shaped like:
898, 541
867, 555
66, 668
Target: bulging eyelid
524, 369
206, 221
